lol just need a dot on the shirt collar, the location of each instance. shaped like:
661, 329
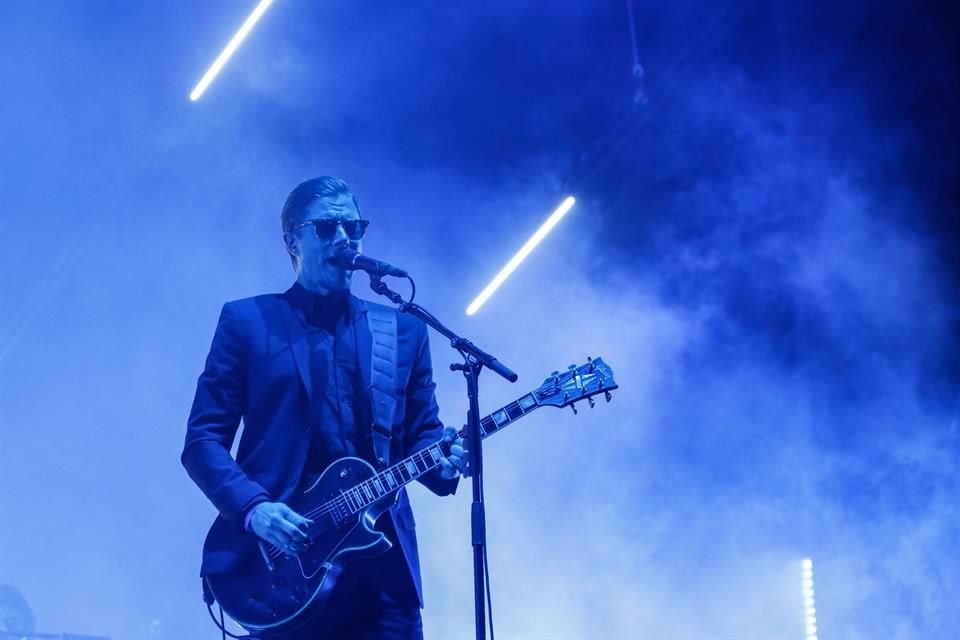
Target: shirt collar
323, 308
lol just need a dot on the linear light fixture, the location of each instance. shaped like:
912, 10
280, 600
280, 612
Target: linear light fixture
809, 605
228, 51
521, 255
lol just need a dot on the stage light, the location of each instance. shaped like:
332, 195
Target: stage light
229, 50
809, 604
521, 255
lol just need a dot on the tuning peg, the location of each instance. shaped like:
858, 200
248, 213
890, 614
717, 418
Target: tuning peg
592, 403
606, 394
590, 364
574, 407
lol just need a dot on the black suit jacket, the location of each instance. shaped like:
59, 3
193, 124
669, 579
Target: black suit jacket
258, 369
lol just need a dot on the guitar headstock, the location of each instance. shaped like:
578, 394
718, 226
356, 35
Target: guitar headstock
577, 383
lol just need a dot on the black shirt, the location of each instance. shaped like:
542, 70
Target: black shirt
338, 404
337, 415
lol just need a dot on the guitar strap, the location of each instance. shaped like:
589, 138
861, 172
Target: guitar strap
383, 378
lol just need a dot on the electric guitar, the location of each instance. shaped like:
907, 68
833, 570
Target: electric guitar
270, 591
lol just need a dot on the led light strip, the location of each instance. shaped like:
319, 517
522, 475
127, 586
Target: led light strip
521, 255
228, 51
809, 603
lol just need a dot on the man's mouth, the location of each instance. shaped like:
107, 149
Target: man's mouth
334, 263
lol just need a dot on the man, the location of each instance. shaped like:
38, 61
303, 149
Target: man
296, 367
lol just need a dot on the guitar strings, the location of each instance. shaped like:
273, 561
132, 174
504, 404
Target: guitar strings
342, 501
430, 463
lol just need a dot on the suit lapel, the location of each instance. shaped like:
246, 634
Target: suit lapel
295, 324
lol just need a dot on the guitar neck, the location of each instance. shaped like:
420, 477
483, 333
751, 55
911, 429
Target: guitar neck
397, 475
504, 416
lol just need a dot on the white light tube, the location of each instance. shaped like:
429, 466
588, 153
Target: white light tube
809, 604
228, 50
521, 255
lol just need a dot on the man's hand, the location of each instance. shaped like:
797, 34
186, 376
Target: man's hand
281, 526
456, 463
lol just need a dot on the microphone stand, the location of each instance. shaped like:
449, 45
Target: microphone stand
474, 359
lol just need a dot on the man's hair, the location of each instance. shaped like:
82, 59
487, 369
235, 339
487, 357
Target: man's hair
306, 192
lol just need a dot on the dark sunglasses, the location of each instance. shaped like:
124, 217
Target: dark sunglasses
325, 228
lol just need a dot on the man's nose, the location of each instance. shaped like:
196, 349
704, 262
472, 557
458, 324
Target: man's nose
340, 237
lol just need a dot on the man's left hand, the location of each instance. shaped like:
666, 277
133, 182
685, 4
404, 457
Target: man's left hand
454, 464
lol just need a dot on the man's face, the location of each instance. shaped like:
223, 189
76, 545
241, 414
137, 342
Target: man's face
315, 271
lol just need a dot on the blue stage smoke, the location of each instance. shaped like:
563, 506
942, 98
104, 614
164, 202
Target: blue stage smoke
764, 251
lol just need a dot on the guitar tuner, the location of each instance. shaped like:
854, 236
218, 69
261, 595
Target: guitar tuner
606, 394
574, 407
592, 403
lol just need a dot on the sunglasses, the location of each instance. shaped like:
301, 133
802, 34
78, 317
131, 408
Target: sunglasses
326, 228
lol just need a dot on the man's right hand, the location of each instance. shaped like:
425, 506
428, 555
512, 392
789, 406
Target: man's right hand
281, 526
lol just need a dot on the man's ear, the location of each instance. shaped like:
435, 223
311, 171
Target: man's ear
290, 241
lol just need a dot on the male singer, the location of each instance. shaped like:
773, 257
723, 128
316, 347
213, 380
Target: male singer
296, 367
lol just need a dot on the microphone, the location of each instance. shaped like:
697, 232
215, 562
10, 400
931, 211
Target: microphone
350, 259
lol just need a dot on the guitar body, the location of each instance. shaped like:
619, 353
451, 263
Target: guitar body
268, 591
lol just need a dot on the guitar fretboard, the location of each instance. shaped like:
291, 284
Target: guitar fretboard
409, 469
505, 415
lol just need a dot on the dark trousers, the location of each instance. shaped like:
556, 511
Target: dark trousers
373, 600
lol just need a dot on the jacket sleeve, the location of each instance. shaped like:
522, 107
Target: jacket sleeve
214, 418
422, 426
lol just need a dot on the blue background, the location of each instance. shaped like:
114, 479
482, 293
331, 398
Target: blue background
764, 248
